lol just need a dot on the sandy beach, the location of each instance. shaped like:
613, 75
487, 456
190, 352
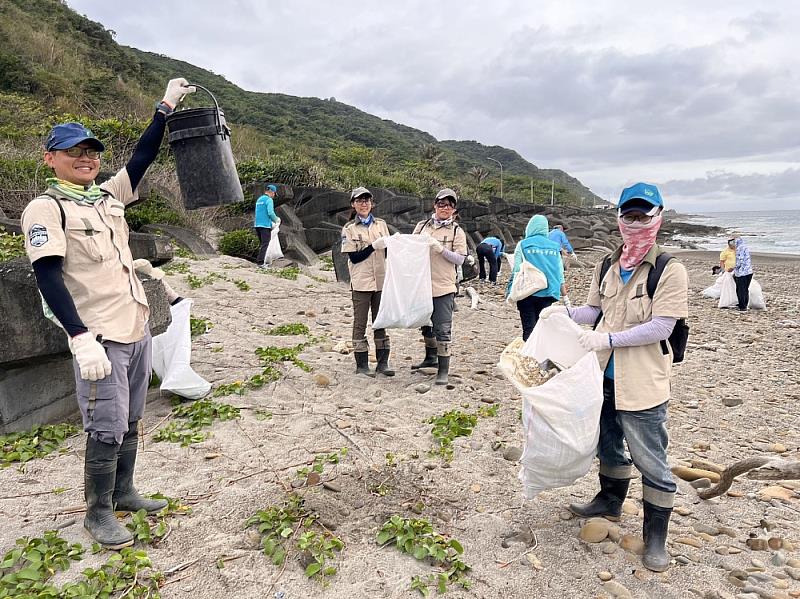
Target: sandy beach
737, 395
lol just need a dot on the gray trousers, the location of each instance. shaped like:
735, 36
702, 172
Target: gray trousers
109, 404
363, 302
439, 335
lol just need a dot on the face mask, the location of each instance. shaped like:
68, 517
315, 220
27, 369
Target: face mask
637, 240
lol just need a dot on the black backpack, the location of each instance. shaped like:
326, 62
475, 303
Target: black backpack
679, 336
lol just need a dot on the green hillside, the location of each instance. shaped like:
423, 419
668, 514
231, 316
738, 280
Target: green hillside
55, 63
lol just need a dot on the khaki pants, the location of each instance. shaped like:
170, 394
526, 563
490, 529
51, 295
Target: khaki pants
363, 302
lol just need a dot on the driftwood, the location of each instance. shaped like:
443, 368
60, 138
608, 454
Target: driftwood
760, 468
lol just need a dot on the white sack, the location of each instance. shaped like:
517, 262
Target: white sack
172, 353
407, 297
561, 427
757, 300
727, 296
555, 338
716, 289
274, 251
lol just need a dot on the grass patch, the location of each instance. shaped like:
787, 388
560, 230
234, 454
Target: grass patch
151, 528
174, 267
196, 282
194, 417
11, 245
279, 526
292, 328
38, 442
200, 326
327, 262
289, 273
241, 284
418, 538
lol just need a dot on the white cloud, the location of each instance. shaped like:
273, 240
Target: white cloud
607, 91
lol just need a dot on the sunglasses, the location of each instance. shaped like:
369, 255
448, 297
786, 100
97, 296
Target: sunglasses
444, 204
77, 152
636, 217
362, 200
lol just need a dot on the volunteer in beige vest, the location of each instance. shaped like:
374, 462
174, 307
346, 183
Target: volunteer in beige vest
364, 244
448, 251
77, 240
631, 345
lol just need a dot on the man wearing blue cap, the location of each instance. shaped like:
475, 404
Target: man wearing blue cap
77, 240
630, 336
265, 220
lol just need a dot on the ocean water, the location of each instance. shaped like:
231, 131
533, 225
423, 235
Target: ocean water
776, 232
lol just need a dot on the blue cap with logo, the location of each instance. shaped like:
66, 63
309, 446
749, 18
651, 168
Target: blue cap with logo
68, 135
643, 197
272, 188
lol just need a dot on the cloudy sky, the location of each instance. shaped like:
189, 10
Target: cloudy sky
698, 97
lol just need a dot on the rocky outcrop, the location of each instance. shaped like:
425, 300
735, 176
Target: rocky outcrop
36, 379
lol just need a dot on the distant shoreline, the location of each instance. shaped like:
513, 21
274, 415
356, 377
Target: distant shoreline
712, 256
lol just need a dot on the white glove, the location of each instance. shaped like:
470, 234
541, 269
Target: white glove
469, 260
176, 90
594, 340
379, 243
143, 266
550, 310
91, 357
435, 245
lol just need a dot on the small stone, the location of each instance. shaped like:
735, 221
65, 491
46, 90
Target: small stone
609, 548
630, 507
565, 515
775, 492
732, 402
614, 533
793, 563
475, 488
781, 584
512, 453
690, 474
683, 510
422, 388
605, 576
321, 380
757, 544
689, 541
343, 424
617, 590
777, 448
332, 486
758, 564
722, 550
793, 572
775, 543
310, 313
312, 479
534, 562
683, 560
594, 531
632, 544
701, 483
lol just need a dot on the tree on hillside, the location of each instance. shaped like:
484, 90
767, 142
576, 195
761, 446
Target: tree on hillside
479, 174
432, 156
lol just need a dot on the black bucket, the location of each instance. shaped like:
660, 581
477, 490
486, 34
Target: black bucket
201, 143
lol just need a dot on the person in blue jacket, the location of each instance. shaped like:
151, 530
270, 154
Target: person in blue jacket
545, 255
266, 219
557, 234
489, 250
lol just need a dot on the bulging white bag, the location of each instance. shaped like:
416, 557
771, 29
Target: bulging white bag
527, 281
172, 353
716, 289
555, 338
274, 250
757, 300
407, 298
727, 294
561, 427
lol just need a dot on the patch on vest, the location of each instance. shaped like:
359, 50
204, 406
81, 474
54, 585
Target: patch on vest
37, 236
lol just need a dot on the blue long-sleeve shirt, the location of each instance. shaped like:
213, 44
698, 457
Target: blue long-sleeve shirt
496, 244
265, 212
559, 236
543, 253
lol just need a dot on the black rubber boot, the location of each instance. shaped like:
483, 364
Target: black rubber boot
654, 531
430, 360
126, 497
383, 362
444, 369
362, 363
607, 503
99, 474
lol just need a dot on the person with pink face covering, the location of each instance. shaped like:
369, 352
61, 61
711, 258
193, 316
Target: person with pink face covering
629, 337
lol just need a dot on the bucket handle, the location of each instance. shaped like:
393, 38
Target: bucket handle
221, 130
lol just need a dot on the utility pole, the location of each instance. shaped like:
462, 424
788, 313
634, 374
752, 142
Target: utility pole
552, 192
501, 174
531, 190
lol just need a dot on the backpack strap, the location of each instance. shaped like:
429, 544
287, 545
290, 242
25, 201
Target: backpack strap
46, 194
655, 273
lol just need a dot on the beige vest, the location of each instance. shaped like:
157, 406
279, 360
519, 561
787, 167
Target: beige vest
368, 274
98, 266
641, 373
443, 272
